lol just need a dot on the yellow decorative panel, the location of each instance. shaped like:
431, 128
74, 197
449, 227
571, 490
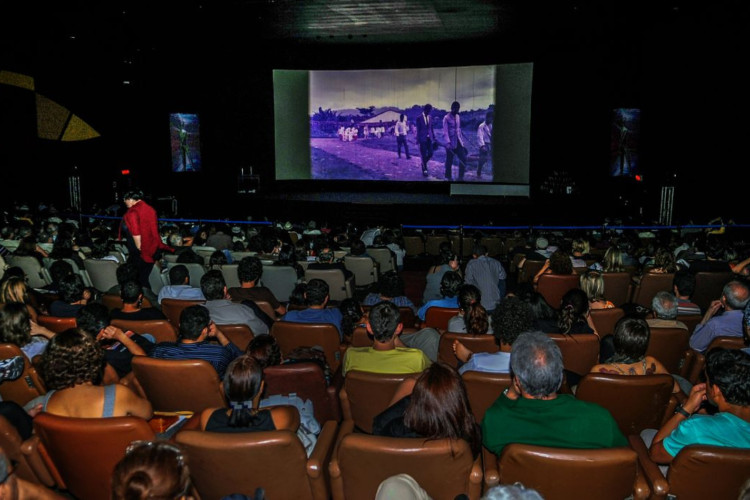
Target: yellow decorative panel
78, 130
17, 80
50, 118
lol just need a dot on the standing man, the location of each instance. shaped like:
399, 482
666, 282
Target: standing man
142, 233
488, 275
454, 142
401, 130
484, 137
425, 136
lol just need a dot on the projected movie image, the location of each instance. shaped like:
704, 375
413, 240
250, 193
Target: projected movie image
428, 124
626, 131
185, 142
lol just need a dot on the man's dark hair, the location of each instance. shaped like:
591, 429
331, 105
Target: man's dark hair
511, 318
93, 318
630, 339
126, 272
71, 288
193, 320
58, 269
178, 274
189, 256
384, 318
213, 284
427, 108
358, 247
729, 369
391, 284
685, 283
480, 249
133, 194
130, 291
450, 283
317, 291
249, 269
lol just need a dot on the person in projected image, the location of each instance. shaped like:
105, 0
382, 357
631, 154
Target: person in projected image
425, 136
401, 129
454, 142
484, 137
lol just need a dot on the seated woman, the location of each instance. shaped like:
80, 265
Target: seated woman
352, 316
449, 286
217, 259
663, 263
630, 344
542, 313
593, 284
434, 406
72, 368
472, 317
29, 246
448, 262
16, 327
580, 251
14, 289
152, 469
391, 288
612, 262
132, 308
558, 263
573, 316
243, 387
512, 317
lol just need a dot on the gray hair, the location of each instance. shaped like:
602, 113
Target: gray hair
664, 305
537, 364
737, 294
515, 491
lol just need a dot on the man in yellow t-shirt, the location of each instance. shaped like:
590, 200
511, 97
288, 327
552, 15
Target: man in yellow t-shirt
387, 354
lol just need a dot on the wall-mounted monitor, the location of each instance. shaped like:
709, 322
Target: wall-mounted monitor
185, 142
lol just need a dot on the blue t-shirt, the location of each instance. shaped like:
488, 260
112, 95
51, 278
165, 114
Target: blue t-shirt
444, 302
310, 315
722, 429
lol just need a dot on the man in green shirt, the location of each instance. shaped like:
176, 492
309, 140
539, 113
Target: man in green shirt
531, 411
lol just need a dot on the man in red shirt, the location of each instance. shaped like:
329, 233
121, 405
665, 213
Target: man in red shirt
142, 232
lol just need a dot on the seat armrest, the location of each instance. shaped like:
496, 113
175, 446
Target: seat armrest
337, 382
321, 454
491, 472
337, 483
32, 452
696, 367
655, 479
475, 478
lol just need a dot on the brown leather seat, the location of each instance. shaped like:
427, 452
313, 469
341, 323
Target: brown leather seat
172, 308
84, 451
606, 319
697, 472
177, 385
366, 394
56, 324
26, 463
222, 464
708, 287
650, 285
438, 317
161, 329
580, 351
290, 335
239, 335
528, 271
636, 402
670, 347
727, 343
554, 286
483, 389
696, 361
308, 382
360, 337
691, 321
568, 474
475, 343
111, 301
617, 287
26, 387
445, 468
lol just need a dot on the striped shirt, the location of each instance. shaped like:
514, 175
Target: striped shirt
687, 307
219, 356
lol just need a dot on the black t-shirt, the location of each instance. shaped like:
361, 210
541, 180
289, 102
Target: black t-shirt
390, 422
118, 356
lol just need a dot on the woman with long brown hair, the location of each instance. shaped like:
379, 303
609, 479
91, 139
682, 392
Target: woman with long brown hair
472, 317
434, 406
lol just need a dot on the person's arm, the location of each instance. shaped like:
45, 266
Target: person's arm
740, 266
658, 453
137, 241
543, 270
112, 332
214, 332
37, 329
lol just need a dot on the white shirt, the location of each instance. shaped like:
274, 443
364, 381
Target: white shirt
401, 128
484, 134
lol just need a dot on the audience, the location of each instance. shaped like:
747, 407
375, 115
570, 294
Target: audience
249, 272
449, 286
132, 308
152, 469
17, 328
734, 297
223, 311
488, 275
179, 286
391, 288
448, 262
472, 317
316, 298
